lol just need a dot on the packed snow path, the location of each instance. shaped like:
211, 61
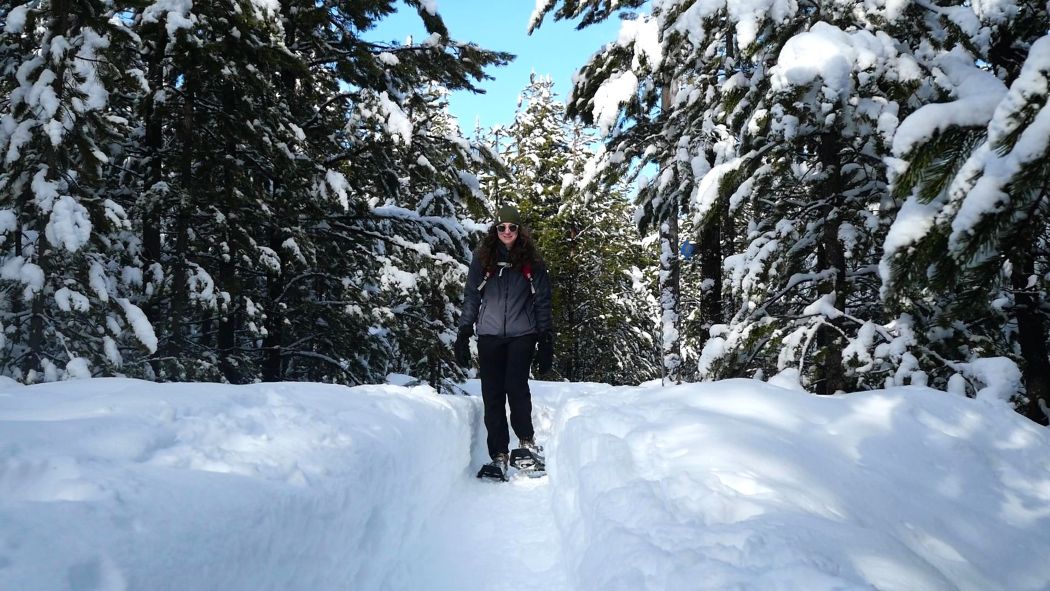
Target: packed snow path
495, 535
118, 485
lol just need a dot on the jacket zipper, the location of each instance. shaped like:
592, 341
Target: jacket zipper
506, 294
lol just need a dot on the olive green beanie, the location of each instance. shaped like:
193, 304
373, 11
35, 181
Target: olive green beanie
508, 213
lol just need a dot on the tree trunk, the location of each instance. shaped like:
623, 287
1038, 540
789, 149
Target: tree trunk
435, 349
57, 162
273, 344
33, 361
272, 366
18, 303
830, 255
154, 174
571, 364
1031, 332
711, 276
670, 287
180, 272
571, 361
670, 284
227, 338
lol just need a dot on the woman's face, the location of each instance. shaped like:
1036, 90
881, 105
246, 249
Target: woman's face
507, 233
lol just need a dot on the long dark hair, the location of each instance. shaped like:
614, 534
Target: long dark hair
522, 251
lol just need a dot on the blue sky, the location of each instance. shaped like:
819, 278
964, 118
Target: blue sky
556, 48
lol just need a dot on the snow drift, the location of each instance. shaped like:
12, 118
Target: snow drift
111, 484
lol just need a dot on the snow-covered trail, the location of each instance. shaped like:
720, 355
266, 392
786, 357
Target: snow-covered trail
120, 485
493, 536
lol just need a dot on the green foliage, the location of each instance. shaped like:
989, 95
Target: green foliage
292, 195
601, 287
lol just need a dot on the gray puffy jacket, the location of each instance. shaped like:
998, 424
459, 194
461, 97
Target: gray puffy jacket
506, 306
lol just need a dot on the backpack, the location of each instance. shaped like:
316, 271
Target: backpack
526, 270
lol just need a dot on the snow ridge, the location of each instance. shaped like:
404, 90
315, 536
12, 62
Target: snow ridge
114, 484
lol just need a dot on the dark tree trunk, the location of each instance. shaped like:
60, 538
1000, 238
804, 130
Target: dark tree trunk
435, 349
36, 354
711, 275
272, 366
227, 337
180, 273
151, 214
572, 362
670, 296
1031, 332
57, 161
711, 237
17, 304
273, 355
830, 255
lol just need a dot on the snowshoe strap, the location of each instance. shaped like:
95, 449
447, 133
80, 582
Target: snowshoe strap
490, 471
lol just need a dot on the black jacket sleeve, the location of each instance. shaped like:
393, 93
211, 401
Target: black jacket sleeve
542, 300
471, 295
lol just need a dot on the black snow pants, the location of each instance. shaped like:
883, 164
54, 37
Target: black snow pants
504, 364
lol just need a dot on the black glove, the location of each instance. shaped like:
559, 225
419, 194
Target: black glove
461, 349
545, 352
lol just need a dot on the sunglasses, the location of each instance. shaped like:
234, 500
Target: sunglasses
507, 228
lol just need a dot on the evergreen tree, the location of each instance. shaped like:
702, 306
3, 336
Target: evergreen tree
595, 260
399, 153
279, 174
804, 280
965, 255
65, 279
423, 221
775, 160
626, 90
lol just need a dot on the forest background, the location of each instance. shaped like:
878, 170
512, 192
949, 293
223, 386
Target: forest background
848, 194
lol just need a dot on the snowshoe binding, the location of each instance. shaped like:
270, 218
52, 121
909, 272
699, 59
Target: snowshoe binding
528, 459
496, 469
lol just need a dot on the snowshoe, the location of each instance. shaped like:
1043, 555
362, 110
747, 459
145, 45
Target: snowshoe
496, 469
529, 459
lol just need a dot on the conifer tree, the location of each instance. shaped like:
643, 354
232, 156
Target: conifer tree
778, 177
356, 218
603, 325
64, 267
273, 167
438, 190
965, 253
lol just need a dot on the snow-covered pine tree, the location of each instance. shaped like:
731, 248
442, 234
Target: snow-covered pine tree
428, 242
496, 186
604, 329
782, 178
216, 131
965, 256
804, 280
627, 90
272, 256
64, 274
269, 161
399, 174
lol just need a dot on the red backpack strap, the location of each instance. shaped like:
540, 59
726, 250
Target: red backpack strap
526, 270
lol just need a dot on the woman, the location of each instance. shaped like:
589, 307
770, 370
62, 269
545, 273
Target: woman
507, 303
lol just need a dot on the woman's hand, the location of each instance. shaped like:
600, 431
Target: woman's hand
545, 352
461, 349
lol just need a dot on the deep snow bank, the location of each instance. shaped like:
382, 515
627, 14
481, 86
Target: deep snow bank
745, 486
112, 484
107, 485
